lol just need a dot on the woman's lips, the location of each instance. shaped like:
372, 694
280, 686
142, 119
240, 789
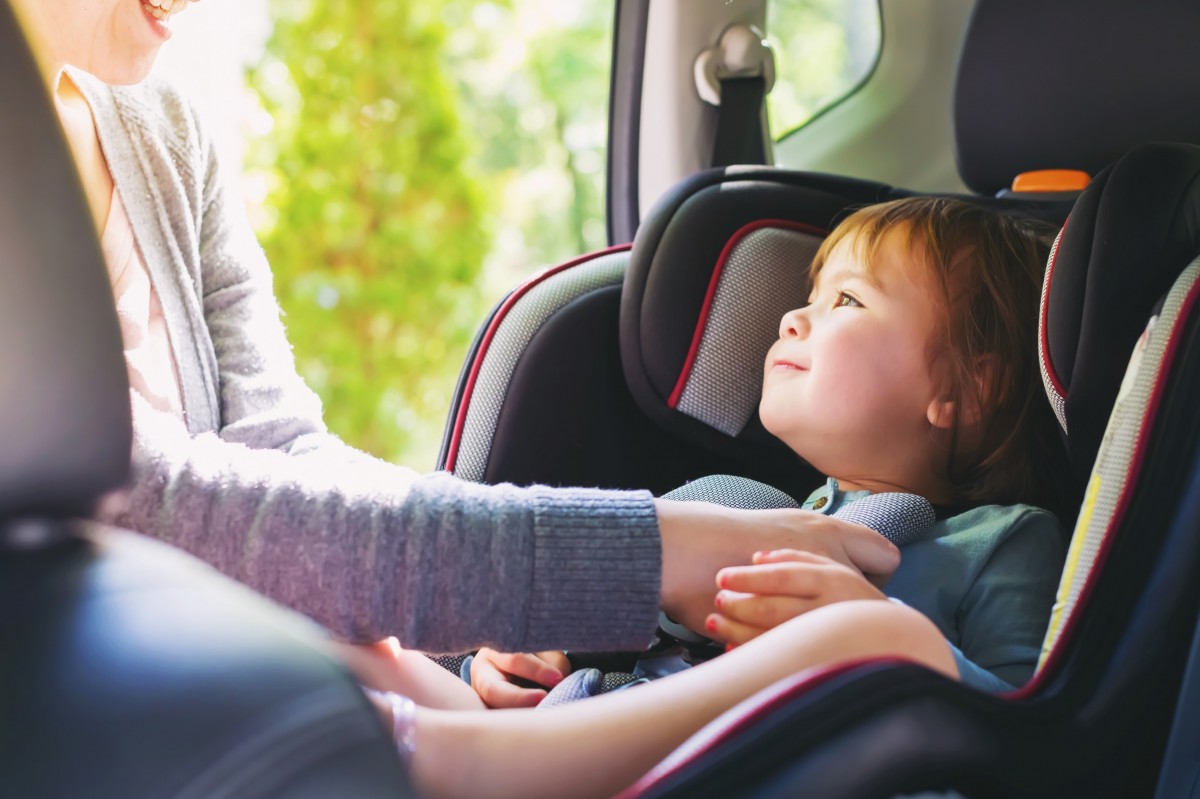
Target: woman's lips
163, 10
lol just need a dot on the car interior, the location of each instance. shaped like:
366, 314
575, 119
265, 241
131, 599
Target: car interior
639, 367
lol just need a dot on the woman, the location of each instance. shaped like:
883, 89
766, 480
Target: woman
233, 463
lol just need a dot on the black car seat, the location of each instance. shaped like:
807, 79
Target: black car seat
589, 401
591, 373
127, 669
1094, 721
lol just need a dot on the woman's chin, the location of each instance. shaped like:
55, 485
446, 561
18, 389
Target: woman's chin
125, 74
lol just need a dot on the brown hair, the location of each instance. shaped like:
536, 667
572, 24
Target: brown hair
988, 268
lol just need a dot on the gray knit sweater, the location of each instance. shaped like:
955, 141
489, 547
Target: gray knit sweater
259, 488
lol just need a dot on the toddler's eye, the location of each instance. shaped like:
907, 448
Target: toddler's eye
844, 300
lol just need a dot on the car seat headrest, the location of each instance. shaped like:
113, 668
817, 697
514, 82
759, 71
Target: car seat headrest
64, 396
715, 265
1072, 85
1130, 234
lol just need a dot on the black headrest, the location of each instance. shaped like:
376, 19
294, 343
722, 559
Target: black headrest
715, 265
1046, 85
1131, 233
64, 399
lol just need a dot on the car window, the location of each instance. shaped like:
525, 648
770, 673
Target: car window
824, 49
405, 164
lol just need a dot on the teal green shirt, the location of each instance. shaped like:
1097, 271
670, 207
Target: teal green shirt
986, 577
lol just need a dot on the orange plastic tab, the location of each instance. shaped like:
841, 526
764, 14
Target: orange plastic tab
1045, 180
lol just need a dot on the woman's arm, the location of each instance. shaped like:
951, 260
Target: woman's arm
370, 549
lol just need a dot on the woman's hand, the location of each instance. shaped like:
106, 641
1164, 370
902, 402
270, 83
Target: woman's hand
699, 539
779, 586
492, 675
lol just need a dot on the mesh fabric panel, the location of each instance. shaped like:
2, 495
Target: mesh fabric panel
897, 516
765, 276
1117, 455
733, 492
518, 327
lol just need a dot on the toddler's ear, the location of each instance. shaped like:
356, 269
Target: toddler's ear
942, 413
967, 410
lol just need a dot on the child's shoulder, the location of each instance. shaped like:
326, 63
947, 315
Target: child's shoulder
992, 525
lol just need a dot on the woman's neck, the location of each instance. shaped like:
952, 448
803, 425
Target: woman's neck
80, 129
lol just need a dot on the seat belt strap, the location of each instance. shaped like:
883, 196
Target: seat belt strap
741, 137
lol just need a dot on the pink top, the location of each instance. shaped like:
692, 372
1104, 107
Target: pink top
152, 369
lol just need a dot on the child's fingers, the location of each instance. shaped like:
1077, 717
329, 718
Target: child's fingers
525, 665
792, 578
557, 659
763, 611
496, 691
730, 631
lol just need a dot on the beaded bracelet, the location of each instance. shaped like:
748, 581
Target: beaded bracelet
404, 715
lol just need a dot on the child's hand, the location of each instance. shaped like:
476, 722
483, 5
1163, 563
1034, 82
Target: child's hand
779, 586
387, 666
493, 674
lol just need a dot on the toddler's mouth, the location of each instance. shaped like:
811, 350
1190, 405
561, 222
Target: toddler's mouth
163, 10
791, 365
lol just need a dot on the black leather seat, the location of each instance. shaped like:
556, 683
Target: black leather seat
127, 669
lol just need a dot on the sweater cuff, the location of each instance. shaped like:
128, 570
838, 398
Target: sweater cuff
597, 570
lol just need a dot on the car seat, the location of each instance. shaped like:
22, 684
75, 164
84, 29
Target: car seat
881, 729
593, 373
1094, 720
127, 669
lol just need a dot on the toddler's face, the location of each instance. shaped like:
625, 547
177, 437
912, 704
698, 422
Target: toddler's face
848, 385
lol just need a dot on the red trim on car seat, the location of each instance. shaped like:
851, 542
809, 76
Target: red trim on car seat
1044, 317
698, 335
1135, 468
746, 714
520, 291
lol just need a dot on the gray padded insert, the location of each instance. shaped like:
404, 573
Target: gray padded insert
520, 324
765, 277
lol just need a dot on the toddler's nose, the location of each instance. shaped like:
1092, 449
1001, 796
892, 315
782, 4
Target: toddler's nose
793, 324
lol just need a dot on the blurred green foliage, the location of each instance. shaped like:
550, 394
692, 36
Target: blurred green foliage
409, 150
823, 50
417, 160
533, 77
